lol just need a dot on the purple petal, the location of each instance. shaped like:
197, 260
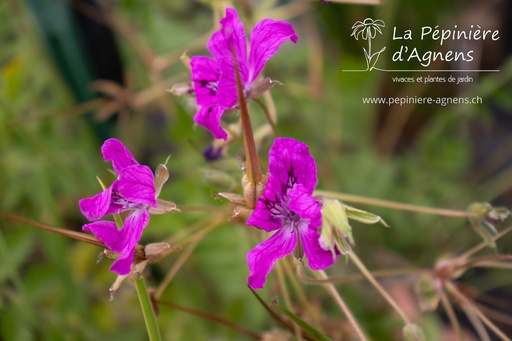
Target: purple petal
107, 233
136, 184
266, 209
262, 258
318, 258
228, 93
121, 157
121, 241
289, 164
303, 203
266, 38
122, 266
95, 207
129, 236
230, 38
205, 75
209, 118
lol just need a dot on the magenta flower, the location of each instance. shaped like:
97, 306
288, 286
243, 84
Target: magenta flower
289, 208
214, 79
134, 190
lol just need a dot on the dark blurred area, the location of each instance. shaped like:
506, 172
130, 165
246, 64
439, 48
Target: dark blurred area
83, 48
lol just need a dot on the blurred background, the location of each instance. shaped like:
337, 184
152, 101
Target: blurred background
74, 73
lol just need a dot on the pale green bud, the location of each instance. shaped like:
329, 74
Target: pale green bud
336, 230
412, 332
483, 218
428, 294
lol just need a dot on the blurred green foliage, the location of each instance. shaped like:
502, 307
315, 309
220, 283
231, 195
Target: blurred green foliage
51, 288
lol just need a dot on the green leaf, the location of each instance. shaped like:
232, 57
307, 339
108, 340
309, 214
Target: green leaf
317, 335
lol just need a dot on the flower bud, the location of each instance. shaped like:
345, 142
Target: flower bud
336, 230
427, 293
413, 332
483, 218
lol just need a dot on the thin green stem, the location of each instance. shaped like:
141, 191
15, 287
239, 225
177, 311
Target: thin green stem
393, 204
377, 286
147, 309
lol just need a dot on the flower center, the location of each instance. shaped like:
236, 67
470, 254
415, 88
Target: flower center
122, 203
211, 85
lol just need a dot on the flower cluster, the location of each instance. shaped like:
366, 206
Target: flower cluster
287, 206
214, 79
134, 190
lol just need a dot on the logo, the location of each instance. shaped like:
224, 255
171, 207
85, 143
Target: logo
453, 45
368, 29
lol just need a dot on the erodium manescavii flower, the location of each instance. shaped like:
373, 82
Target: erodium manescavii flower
214, 79
289, 208
134, 190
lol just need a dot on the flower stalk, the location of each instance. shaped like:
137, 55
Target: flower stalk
147, 309
253, 170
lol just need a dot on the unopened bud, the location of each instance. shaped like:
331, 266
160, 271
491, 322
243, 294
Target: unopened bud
336, 231
427, 293
483, 218
412, 332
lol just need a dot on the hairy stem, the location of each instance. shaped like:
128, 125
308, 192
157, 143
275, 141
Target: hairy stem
287, 299
392, 204
451, 314
253, 170
377, 286
332, 290
457, 294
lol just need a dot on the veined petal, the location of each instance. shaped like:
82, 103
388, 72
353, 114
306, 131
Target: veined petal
318, 258
265, 212
262, 258
266, 38
289, 164
114, 150
136, 184
122, 266
95, 207
303, 203
107, 233
205, 75
209, 118
129, 236
228, 94
230, 37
